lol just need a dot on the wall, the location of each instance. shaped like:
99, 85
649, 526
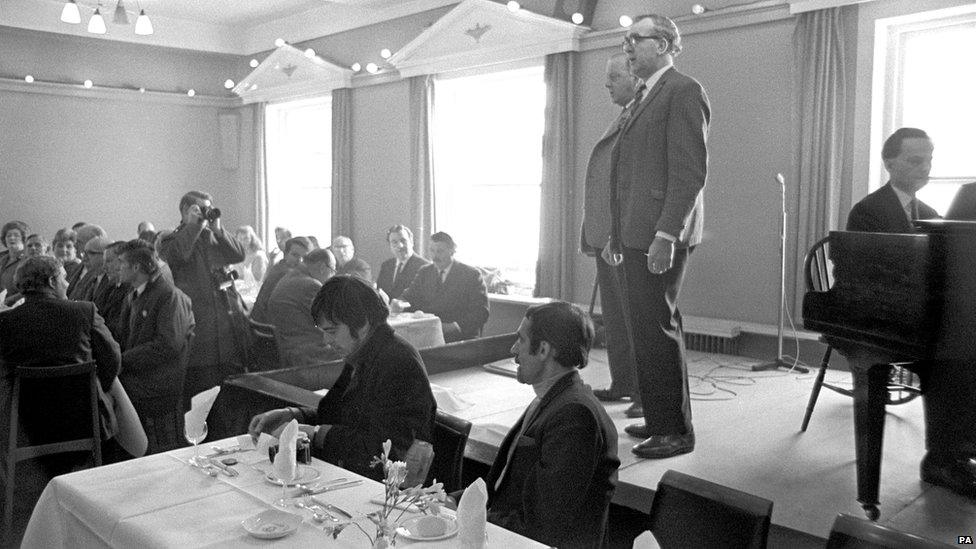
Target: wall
108, 156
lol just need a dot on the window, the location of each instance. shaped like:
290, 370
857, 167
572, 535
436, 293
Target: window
487, 150
298, 139
929, 85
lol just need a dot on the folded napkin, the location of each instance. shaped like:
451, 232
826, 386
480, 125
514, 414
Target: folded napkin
200, 405
472, 514
447, 400
285, 465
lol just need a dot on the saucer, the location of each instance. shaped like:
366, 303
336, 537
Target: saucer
305, 474
409, 530
272, 524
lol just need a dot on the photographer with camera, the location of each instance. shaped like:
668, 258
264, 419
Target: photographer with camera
199, 253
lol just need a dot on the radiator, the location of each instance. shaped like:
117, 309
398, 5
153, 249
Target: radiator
710, 335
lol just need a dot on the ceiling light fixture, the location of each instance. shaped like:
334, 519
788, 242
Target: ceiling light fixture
513, 6
228, 83
191, 92
371, 68
70, 13
356, 67
29, 79
96, 25
279, 42
385, 53
143, 24
310, 53
120, 17
254, 63
578, 18
626, 21
88, 84
698, 9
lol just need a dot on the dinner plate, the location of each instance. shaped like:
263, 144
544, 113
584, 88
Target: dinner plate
272, 524
408, 528
305, 475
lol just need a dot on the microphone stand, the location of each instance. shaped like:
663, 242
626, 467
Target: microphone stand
779, 362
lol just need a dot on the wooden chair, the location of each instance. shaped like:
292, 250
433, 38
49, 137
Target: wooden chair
851, 532
16, 453
450, 438
689, 512
903, 384
263, 352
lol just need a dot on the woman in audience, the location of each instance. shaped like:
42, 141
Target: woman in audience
13, 235
251, 270
36, 245
65, 248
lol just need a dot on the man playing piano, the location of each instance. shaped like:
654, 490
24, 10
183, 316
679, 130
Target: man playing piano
949, 387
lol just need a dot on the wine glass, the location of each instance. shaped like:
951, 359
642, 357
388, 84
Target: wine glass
195, 434
285, 470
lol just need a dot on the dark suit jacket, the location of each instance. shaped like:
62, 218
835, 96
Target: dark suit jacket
8, 267
462, 298
595, 230
109, 298
356, 267
155, 329
259, 312
964, 204
383, 393
193, 254
385, 280
562, 475
659, 164
300, 342
84, 289
49, 331
881, 212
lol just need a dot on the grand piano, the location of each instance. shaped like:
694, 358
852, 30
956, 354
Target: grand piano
897, 298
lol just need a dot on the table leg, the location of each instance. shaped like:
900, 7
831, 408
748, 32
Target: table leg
870, 389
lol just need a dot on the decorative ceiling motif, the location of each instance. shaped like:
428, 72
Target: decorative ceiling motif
477, 31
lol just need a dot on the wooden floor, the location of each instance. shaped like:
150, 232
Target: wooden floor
747, 428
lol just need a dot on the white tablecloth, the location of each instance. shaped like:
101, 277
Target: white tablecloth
422, 330
160, 501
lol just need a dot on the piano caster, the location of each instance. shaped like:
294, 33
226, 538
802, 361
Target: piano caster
871, 511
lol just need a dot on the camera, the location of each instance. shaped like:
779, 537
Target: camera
223, 278
210, 213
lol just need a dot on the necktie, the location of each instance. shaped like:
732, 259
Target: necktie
440, 277
396, 271
913, 209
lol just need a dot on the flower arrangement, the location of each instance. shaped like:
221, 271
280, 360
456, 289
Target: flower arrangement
427, 500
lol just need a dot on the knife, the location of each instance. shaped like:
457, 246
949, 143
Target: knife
332, 487
227, 469
333, 508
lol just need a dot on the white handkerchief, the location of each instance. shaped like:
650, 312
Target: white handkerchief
285, 466
472, 514
447, 400
200, 406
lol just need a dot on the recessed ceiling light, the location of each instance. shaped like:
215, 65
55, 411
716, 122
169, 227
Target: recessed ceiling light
228, 83
385, 53
356, 67
578, 18
88, 84
254, 63
371, 68
626, 21
28, 79
191, 92
279, 42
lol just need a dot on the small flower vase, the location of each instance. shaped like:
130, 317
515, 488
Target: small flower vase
383, 541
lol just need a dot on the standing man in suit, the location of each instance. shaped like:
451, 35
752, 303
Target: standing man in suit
658, 170
346, 261
155, 330
555, 472
594, 235
907, 156
398, 272
453, 291
948, 387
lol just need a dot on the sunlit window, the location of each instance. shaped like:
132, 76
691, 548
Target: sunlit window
299, 167
487, 149
930, 84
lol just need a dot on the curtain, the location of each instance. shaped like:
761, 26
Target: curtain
557, 232
342, 162
261, 176
822, 133
421, 161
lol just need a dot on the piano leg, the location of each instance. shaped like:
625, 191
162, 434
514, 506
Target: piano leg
870, 390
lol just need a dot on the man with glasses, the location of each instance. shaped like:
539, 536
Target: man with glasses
658, 170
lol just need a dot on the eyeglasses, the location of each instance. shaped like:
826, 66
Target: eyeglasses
633, 39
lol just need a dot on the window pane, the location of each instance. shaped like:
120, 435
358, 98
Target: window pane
487, 148
299, 164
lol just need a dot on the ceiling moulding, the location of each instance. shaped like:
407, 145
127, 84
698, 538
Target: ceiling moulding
802, 6
480, 32
288, 74
118, 94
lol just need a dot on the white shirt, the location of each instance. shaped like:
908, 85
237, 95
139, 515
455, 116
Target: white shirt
906, 201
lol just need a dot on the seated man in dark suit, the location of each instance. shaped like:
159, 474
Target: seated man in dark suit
453, 291
49, 330
111, 291
155, 329
383, 391
346, 261
948, 388
555, 472
963, 206
300, 342
84, 289
907, 156
295, 249
398, 272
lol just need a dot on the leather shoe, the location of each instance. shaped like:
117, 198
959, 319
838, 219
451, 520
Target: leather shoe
665, 446
956, 472
634, 411
638, 430
606, 395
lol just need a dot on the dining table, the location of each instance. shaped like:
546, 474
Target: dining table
421, 329
162, 500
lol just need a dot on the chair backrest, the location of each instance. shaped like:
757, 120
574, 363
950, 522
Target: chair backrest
691, 512
450, 438
854, 533
263, 352
818, 269
92, 443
